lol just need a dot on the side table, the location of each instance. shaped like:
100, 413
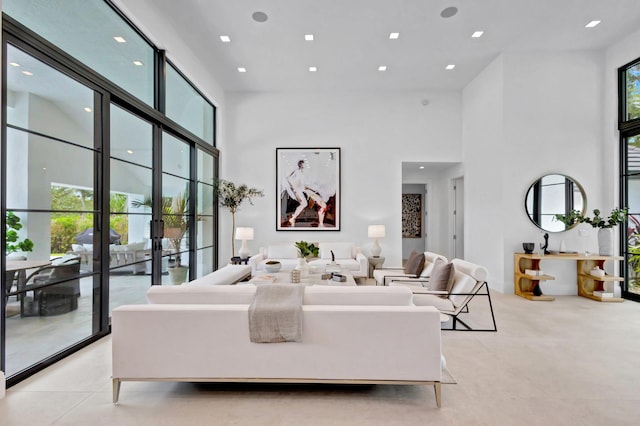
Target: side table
374, 262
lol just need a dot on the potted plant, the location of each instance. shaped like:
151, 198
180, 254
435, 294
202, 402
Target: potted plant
604, 226
307, 250
14, 245
231, 196
176, 224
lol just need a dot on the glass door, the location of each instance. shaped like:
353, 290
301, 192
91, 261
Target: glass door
51, 300
631, 183
130, 208
177, 198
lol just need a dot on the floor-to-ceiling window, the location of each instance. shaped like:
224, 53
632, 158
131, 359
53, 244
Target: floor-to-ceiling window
107, 176
629, 125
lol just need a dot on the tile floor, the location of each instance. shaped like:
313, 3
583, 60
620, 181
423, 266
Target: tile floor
573, 361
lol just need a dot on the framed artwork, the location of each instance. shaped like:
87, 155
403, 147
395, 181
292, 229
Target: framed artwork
308, 188
411, 215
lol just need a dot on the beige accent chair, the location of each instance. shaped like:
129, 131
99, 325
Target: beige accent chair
469, 281
384, 276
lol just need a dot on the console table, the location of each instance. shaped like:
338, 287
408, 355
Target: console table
524, 283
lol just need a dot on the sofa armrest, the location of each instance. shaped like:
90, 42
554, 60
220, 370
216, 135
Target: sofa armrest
254, 261
364, 266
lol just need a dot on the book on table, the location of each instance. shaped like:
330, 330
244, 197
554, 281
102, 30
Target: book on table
264, 279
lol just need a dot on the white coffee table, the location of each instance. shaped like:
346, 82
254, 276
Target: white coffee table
311, 279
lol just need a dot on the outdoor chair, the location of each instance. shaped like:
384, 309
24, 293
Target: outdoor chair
56, 288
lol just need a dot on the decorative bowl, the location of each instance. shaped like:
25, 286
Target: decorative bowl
272, 266
528, 247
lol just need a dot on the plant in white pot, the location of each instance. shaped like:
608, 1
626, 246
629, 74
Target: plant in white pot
231, 196
604, 226
176, 224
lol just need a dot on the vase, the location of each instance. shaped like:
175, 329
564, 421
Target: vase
605, 241
303, 267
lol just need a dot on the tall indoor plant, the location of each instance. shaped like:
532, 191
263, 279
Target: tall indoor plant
604, 226
176, 225
231, 196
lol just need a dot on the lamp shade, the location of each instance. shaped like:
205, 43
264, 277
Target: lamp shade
376, 231
244, 233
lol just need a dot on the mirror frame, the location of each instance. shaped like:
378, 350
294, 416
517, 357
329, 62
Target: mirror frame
536, 181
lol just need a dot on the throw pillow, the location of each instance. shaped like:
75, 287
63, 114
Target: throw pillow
415, 264
442, 276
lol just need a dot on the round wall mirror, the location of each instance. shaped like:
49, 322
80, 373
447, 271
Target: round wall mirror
551, 195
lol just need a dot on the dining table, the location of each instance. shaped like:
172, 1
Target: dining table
19, 269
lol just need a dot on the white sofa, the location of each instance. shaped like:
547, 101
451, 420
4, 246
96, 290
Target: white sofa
133, 257
363, 335
384, 276
347, 255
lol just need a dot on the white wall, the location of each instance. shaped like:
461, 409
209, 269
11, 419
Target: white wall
376, 133
482, 136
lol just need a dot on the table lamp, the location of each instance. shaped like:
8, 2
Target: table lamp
376, 232
244, 234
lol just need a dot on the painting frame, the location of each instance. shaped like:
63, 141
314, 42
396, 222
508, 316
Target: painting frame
308, 187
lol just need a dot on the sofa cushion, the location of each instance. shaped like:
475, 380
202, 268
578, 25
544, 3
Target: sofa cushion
442, 276
340, 250
356, 296
229, 274
415, 264
282, 251
442, 304
429, 261
314, 295
201, 294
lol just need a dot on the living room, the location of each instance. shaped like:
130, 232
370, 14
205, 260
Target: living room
539, 105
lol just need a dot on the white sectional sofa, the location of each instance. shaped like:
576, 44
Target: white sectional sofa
365, 335
347, 255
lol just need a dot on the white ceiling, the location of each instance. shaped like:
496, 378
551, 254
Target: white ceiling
352, 38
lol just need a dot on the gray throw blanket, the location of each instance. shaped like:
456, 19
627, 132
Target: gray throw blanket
275, 315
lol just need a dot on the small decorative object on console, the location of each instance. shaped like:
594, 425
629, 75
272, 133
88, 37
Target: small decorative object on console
528, 247
295, 276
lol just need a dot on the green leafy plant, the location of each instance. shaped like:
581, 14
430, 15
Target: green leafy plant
12, 238
307, 250
231, 196
616, 217
175, 217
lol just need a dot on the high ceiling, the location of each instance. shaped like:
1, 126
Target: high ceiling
352, 38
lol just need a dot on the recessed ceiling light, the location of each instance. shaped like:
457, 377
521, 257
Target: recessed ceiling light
120, 39
394, 36
87, 109
308, 37
451, 66
259, 16
138, 63
225, 38
242, 69
313, 69
477, 34
592, 24
449, 12
421, 167
27, 73
129, 151
382, 68
14, 64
